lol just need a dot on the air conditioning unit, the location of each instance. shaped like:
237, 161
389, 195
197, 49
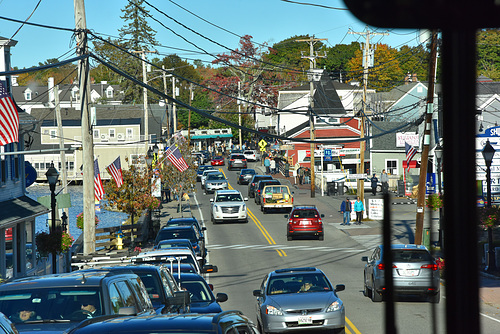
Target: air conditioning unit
104, 137
120, 136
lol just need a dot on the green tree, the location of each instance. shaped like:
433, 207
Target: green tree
488, 53
337, 58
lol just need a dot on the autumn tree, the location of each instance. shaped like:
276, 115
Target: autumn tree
64, 74
488, 53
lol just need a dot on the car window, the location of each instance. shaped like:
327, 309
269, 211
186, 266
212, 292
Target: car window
237, 156
153, 287
141, 293
229, 198
125, 293
305, 213
414, 255
296, 283
198, 291
215, 177
116, 299
276, 190
177, 234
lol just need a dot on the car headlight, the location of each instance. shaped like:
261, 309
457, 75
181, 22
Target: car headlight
271, 310
335, 306
243, 207
216, 208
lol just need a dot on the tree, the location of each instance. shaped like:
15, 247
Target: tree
488, 53
337, 58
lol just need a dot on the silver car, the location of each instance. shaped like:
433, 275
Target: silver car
414, 272
205, 174
215, 181
228, 205
298, 300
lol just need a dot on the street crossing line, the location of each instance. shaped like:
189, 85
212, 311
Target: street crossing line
281, 247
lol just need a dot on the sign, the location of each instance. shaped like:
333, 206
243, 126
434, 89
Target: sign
327, 152
431, 184
376, 208
345, 151
351, 161
407, 137
356, 176
262, 143
263, 149
287, 147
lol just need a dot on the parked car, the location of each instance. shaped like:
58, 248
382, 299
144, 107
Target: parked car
299, 300
206, 155
352, 184
184, 232
6, 326
170, 256
276, 197
187, 221
201, 169
174, 243
414, 272
228, 322
236, 160
202, 297
253, 182
57, 302
205, 174
228, 205
251, 155
305, 220
245, 176
217, 161
215, 181
260, 187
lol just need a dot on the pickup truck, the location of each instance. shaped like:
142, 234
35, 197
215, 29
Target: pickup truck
276, 197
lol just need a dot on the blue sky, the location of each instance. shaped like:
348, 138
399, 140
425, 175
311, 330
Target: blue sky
268, 21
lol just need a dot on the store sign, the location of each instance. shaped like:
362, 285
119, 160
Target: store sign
407, 137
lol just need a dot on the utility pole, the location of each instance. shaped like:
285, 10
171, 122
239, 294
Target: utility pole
419, 226
174, 112
165, 91
239, 114
87, 138
368, 55
189, 112
62, 154
312, 64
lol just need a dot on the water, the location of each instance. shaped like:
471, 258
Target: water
106, 218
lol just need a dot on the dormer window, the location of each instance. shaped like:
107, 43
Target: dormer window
28, 94
74, 92
109, 92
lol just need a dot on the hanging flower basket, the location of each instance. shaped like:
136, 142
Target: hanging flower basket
54, 242
434, 201
79, 221
489, 216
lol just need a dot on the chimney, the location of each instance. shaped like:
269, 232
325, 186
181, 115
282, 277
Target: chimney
50, 87
414, 77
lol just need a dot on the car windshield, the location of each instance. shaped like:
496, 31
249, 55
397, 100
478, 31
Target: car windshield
298, 283
267, 183
58, 304
153, 286
276, 190
177, 234
215, 177
229, 198
305, 213
248, 171
173, 244
198, 291
238, 156
413, 255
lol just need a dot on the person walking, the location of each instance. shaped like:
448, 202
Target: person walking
374, 183
384, 178
301, 175
272, 166
267, 164
346, 209
359, 207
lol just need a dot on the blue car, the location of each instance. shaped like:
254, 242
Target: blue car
202, 298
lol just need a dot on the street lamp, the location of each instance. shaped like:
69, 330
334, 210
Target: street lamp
438, 153
488, 153
52, 177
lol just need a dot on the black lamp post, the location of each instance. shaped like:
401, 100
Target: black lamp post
488, 153
438, 153
52, 177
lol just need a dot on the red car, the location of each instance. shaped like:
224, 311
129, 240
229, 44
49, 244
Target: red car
217, 161
304, 221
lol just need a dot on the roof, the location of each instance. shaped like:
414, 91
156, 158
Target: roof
294, 270
300, 207
20, 209
228, 191
80, 278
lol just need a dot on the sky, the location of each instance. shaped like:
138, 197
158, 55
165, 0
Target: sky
267, 21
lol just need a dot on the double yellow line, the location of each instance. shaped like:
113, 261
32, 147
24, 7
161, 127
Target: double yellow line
257, 222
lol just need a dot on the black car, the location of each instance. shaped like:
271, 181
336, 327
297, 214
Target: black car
58, 302
236, 161
229, 322
253, 182
202, 299
260, 186
183, 232
245, 175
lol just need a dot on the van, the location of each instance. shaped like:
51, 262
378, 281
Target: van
276, 197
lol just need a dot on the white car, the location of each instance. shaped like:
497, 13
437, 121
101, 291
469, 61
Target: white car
251, 155
228, 205
172, 256
204, 176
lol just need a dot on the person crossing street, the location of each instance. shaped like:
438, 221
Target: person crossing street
345, 209
359, 207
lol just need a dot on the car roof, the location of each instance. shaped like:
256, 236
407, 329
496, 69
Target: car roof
227, 191
184, 219
165, 241
179, 227
301, 270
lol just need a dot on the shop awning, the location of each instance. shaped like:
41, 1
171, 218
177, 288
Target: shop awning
214, 136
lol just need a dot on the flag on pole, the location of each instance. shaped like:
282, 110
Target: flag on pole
174, 155
98, 189
9, 118
410, 153
115, 169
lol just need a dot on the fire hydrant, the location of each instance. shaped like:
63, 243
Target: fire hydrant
119, 240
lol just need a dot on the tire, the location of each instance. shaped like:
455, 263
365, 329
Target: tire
321, 237
346, 189
435, 298
339, 331
264, 211
376, 297
379, 189
289, 238
366, 292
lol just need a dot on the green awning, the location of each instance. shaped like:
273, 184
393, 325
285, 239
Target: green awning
214, 136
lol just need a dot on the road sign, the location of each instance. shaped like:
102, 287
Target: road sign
263, 149
327, 152
262, 144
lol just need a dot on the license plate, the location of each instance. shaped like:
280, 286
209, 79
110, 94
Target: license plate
305, 222
305, 321
408, 272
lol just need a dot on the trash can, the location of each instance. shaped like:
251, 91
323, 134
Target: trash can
330, 188
340, 188
427, 238
401, 188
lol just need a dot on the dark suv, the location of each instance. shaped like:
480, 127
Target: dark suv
304, 220
253, 182
188, 221
60, 301
184, 232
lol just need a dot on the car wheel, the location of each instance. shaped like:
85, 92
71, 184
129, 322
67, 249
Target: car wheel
435, 298
321, 237
264, 211
376, 297
346, 189
366, 291
379, 189
289, 238
339, 330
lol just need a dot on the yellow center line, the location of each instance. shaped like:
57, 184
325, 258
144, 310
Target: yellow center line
355, 330
262, 229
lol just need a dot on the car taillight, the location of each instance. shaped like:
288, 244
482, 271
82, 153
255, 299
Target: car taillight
258, 191
433, 267
381, 266
231, 160
253, 184
292, 200
263, 200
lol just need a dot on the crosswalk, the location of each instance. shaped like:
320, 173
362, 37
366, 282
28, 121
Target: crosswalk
285, 247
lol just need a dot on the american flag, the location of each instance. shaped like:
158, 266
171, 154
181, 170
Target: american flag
98, 189
410, 153
9, 118
115, 169
174, 155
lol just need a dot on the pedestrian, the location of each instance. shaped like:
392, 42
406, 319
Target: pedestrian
359, 207
301, 174
267, 164
296, 173
384, 178
345, 209
287, 169
272, 166
374, 183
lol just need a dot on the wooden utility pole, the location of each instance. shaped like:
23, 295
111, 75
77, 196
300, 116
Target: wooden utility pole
419, 226
62, 154
189, 113
239, 115
174, 112
367, 55
87, 138
165, 91
312, 64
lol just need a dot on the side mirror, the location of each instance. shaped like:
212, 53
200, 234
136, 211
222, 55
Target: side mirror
364, 258
286, 216
209, 268
181, 297
322, 216
339, 287
211, 200
245, 199
221, 297
204, 228
257, 293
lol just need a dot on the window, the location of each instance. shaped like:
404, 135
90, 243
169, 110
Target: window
96, 134
53, 134
116, 300
391, 166
111, 133
28, 94
130, 133
126, 294
109, 92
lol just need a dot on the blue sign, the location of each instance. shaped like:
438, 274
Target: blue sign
30, 173
327, 152
431, 184
327, 158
